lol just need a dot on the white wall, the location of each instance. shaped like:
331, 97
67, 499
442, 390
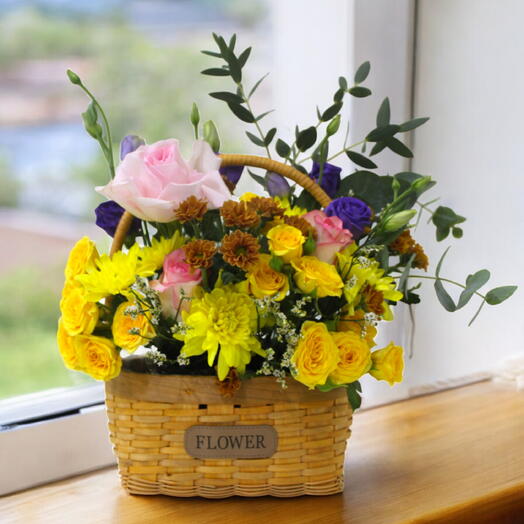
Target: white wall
470, 80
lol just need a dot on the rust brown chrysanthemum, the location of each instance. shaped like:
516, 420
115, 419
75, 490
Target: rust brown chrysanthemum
266, 207
240, 249
373, 299
421, 259
192, 208
239, 214
199, 253
230, 385
300, 223
404, 243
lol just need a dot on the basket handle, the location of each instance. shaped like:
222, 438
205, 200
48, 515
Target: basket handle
239, 160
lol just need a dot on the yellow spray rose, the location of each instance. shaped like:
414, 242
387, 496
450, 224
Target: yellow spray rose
78, 315
98, 357
264, 281
355, 323
312, 274
81, 258
316, 355
67, 348
388, 364
286, 241
123, 324
355, 357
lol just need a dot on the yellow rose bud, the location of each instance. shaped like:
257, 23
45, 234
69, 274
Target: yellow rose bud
131, 330
355, 323
264, 281
355, 357
78, 315
388, 364
312, 274
98, 357
66, 347
286, 242
81, 258
316, 355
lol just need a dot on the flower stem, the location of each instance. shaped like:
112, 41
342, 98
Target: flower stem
449, 281
259, 129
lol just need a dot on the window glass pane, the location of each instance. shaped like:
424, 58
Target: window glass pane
142, 60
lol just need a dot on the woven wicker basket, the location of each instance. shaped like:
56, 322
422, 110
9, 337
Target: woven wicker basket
150, 414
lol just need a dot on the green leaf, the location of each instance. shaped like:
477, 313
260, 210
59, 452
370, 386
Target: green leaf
445, 217
211, 53
359, 91
282, 148
381, 133
398, 147
339, 95
442, 233
362, 72
276, 263
377, 148
408, 176
354, 391
242, 113
234, 68
412, 124
221, 43
257, 141
444, 297
230, 98
257, 178
384, 113
257, 83
373, 189
331, 111
499, 294
402, 281
321, 152
473, 283
260, 117
439, 265
269, 136
342, 82
457, 232
360, 160
216, 71
306, 138
242, 59
309, 245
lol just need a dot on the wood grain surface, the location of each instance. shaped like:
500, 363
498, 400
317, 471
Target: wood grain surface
456, 456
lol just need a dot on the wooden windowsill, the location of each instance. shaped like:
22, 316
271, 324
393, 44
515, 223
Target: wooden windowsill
455, 456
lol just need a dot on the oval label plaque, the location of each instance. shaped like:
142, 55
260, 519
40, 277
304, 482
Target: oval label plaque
232, 442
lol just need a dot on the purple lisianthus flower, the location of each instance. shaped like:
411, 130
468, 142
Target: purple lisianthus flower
232, 173
277, 185
355, 214
108, 215
330, 182
129, 144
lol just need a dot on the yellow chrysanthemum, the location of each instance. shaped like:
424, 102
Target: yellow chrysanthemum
130, 331
246, 197
222, 319
290, 210
361, 274
81, 258
112, 275
151, 258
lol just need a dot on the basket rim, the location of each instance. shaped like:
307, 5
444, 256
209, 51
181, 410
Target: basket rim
201, 389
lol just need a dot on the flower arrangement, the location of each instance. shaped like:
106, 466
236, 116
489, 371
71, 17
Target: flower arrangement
250, 285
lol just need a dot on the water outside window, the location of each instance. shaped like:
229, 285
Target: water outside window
141, 59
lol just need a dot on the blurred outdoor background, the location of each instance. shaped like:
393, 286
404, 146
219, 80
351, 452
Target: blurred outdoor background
142, 60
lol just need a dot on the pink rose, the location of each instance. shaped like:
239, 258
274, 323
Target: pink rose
153, 180
331, 235
178, 279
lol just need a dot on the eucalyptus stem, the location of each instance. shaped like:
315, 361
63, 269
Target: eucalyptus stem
109, 147
259, 129
427, 277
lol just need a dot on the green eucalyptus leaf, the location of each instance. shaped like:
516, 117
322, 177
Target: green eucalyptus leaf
440, 262
269, 136
216, 71
473, 283
339, 95
373, 189
257, 83
377, 148
402, 281
359, 91
242, 113
331, 111
257, 178
306, 138
232, 42
398, 147
442, 233
282, 148
384, 113
231, 98
444, 297
382, 133
360, 160
499, 294
211, 53
362, 72
235, 69
342, 82
457, 232
412, 124
242, 59
260, 117
445, 217
255, 139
